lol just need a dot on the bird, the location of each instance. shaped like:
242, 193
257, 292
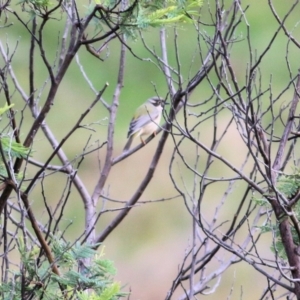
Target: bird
145, 120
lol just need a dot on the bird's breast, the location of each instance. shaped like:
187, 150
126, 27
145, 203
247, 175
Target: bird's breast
150, 128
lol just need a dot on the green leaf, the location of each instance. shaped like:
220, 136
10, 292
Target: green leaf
289, 184
82, 251
13, 148
110, 291
5, 108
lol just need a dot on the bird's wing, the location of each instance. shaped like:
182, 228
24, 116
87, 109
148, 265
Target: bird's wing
141, 120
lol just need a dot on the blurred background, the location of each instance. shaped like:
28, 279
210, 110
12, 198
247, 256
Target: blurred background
149, 245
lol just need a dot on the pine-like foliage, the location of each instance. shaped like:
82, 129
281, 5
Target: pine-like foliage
138, 14
36, 280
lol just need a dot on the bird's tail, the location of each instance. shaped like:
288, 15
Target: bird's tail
128, 144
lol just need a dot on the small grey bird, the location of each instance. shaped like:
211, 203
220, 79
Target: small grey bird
145, 120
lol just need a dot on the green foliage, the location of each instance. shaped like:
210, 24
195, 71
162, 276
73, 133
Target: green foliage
147, 14
289, 186
143, 14
9, 148
277, 247
164, 13
5, 108
35, 7
13, 149
94, 281
267, 228
109, 293
261, 201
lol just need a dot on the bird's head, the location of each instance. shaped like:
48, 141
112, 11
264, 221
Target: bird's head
157, 101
